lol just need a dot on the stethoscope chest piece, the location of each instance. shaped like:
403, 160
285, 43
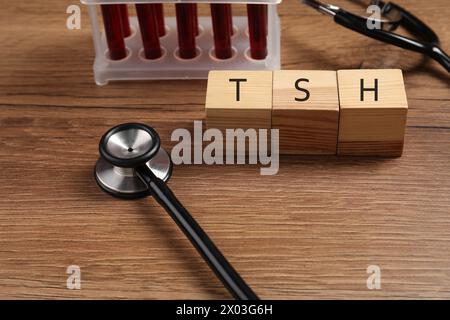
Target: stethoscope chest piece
132, 165
122, 149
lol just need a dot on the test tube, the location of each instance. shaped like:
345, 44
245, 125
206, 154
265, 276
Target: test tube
186, 30
221, 30
147, 17
125, 20
230, 18
257, 29
195, 14
160, 19
113, 30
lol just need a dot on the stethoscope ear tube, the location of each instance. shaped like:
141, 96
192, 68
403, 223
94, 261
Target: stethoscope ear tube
426, 41
353, 22
417, 27
199, 239
413, 24
440, 56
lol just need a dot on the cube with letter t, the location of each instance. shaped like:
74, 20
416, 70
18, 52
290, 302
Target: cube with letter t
373, 109
239, 99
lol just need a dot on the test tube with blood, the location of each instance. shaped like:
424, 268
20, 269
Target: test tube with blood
195, 18
125, 20
147, 17
160, 19
113, 30
257, 29
221, 30
230, 18
186, 30
195, 14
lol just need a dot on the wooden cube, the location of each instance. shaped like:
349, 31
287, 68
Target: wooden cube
306, 111
239, 99
373, 112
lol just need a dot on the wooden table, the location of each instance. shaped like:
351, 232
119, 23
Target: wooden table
309, 232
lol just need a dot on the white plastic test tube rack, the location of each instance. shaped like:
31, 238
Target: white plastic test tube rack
135, 66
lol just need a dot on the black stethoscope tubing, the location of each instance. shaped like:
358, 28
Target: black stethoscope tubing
155, 186
199, 239
427, 41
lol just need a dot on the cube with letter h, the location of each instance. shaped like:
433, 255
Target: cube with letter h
373, 109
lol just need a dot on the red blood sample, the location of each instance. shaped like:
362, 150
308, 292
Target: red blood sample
257, 29
221, 30
125, 20
160, 19
113, 30
230, 18
186, 30
148, 24
195, 14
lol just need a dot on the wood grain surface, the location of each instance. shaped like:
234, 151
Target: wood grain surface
308, 232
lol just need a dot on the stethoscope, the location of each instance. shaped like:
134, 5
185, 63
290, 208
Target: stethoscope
427, 41
133, 165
